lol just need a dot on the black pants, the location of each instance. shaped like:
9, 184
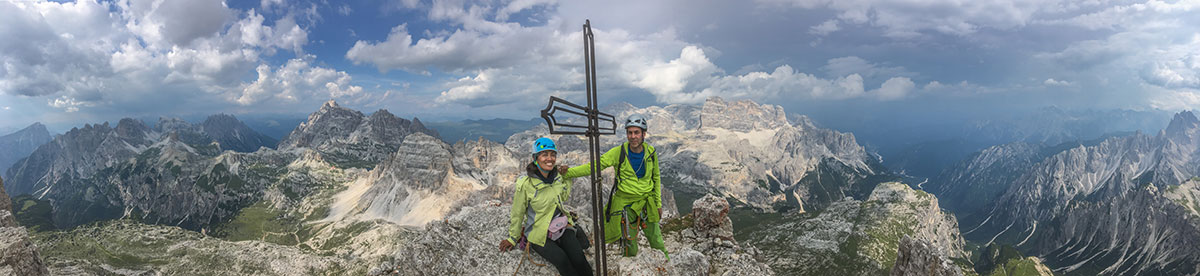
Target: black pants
565, 254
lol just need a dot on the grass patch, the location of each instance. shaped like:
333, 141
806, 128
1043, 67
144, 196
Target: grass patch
678, 224
35, 214
260, 222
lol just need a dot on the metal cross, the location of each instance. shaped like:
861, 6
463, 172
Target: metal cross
592, 130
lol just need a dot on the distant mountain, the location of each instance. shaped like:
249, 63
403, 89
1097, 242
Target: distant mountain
233, 135
20, 144
377, 189
275, 127
426, 179
175, 172
495, 130
1117, 206
743, 150
348, 138
924, 150
858, 237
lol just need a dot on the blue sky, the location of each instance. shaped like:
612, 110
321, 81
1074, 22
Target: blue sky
70, 63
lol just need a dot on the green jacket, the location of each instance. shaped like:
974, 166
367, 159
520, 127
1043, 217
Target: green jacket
650, 185
533, 207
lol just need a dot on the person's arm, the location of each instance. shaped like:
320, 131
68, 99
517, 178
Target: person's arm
657, 185
608, 159
516, 217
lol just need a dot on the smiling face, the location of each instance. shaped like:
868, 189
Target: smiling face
547, 159
635, 135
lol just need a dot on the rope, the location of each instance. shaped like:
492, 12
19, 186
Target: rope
527, 256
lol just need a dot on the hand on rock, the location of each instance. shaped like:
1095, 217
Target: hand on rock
505, 245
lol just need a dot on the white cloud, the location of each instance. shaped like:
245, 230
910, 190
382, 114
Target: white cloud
894, 88
825, 28
461, 50
667, 80
519, 5
86, 56
267, 4
526, 64
67, 104
164, 24
1126, 16
1053, 82
1183, 99
295, 81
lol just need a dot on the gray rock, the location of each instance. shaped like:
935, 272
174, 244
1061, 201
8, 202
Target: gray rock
18, 255
853, 237
1082, 200
350, 139
711, 215
916, 257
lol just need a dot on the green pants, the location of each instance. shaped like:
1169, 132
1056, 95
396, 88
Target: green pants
632, 213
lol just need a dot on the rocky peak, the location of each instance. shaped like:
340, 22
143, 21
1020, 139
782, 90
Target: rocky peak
131, 128
20, 144
712, 217
330, 122
330, 104
222, 120
18, 255
917, 257
34, 129
741, 115
232, 134
853, 237
1183, 120
417, 126
1183, 127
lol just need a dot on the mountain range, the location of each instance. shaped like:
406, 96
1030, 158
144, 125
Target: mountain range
748, 189
1118, 205
19, 144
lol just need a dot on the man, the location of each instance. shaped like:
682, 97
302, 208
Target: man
636, 201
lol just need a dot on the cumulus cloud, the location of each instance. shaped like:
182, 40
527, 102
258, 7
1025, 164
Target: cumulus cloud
521, 64
667, 80
164, 24
67, 104
294, 81
1053, 82
116, 56
462, 50
894, 88
824, 28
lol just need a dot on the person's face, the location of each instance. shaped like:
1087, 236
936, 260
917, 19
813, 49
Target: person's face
546, 159
635, 135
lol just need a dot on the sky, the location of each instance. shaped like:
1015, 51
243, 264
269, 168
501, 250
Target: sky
69, 63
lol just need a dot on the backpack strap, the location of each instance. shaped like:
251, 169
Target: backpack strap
616, 180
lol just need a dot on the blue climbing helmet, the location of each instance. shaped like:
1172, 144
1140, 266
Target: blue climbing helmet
543, 144
636, 120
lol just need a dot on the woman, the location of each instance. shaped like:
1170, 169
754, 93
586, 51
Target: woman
539, 216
